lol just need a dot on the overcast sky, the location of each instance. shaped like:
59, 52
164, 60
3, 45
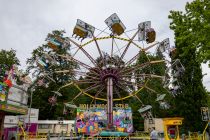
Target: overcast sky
24, 24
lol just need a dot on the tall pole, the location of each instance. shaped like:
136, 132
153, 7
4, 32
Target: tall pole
29, 113
110, 103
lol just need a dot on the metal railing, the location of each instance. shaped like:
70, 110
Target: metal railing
132, 136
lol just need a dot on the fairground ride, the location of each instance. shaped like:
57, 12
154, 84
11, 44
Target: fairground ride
107, 62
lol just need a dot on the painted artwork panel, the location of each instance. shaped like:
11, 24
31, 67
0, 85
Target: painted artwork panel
94, 120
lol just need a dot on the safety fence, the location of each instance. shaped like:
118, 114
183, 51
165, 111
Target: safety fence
133, 136
66, 136
194, 136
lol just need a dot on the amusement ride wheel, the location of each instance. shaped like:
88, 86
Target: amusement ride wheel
110, 71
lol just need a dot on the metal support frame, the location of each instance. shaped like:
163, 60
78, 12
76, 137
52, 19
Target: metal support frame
110, 103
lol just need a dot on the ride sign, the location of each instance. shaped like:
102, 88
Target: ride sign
205, 113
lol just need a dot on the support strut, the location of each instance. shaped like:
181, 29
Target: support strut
110, 103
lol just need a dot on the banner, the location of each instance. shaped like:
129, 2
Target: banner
3, 92
92, 119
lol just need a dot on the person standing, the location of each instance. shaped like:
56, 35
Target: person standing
71, 134
153, 134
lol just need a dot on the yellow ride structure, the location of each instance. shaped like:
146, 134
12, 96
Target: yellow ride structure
171, 128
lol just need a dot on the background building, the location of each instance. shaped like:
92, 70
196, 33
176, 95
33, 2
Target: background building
13, 124
15, 103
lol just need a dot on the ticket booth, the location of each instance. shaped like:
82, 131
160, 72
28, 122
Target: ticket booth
171, 128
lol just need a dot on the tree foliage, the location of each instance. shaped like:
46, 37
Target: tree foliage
192, 27
41, 94
148, 97
7, 60
192, 42
61, 64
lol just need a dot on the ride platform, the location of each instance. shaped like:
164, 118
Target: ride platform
113, 134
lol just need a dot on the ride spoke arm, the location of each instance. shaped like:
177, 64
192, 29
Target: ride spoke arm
145, 75
125, 82
121, 87
87, 89
132, 59
130, 41
138, 99
145, 49
99, 50
112, 47
137, 55
85, 52
130, 94
150, 89
86, 75
77, 96
97, 94
157, 61
84, 82
69, 84
129, 70
63, 71
88, 80
69, 58
133, 68
124, 87
118, 94
79, 73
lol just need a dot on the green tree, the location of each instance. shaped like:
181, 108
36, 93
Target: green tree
41, 94
148, 97
7, 60
191, 46
208, 99
195, 26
